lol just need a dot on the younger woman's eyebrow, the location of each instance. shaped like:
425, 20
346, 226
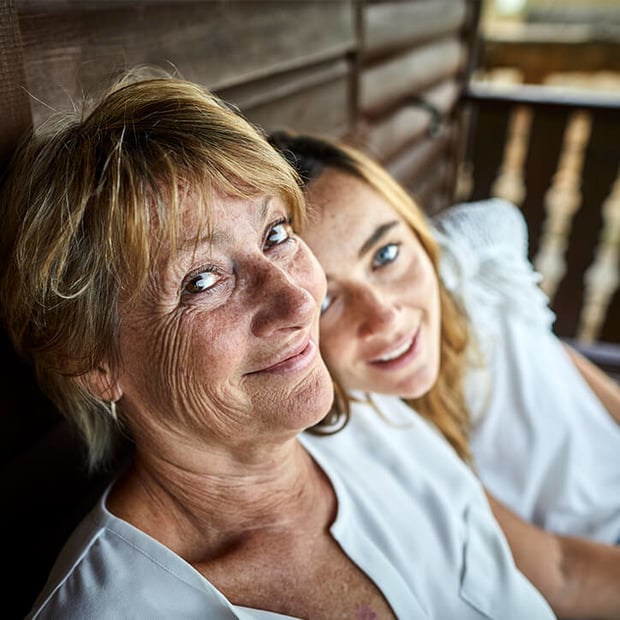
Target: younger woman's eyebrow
376, 235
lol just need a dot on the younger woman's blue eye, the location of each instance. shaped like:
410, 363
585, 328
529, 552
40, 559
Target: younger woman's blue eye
279, 233
201, 282
327, 301
386, 254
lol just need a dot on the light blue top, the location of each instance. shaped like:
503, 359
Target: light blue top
542, 441
411, 515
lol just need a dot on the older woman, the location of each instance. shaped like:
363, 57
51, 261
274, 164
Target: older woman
153, 278
448, 316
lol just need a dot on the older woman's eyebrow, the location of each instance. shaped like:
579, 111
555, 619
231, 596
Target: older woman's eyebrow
213, 237
376, 235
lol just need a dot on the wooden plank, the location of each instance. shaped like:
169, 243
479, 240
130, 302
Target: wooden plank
392, 25
408, 166
280, 85
408, 123
220, 44
320, 109
407, 74
541, 55
14, 102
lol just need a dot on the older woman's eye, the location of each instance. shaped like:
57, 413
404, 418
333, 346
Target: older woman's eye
386, 254
201, 282
278, 233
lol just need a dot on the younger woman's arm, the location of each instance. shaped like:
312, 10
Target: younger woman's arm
579, 578
607, 390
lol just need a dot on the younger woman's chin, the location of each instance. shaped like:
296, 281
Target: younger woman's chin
419, 388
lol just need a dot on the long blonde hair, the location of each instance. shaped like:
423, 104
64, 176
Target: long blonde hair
444, 404
89, 202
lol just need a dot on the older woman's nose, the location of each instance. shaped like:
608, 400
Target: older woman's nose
283, 302
373, 311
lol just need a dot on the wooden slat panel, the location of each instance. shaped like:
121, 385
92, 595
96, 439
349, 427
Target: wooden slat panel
393, 133
537, 53
311, 99
326, 114
215, 43
409, 73
409, 166
14, 102
392, 25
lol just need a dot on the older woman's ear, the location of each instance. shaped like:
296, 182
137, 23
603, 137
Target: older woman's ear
100, 382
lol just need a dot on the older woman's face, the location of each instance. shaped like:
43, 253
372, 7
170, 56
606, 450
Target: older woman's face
223, 343
380, 328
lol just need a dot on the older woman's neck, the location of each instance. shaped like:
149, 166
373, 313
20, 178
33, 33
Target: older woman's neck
194, 497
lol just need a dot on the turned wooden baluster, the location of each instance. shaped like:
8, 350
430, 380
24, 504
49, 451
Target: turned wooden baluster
603, 276
562, 201
510, 182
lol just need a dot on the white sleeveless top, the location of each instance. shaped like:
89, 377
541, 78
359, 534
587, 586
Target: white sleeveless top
543, 443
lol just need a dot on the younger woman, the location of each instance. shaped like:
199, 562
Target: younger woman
463, 334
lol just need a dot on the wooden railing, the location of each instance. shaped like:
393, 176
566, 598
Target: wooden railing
557, 156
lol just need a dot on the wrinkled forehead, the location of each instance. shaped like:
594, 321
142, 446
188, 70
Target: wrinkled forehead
214, 219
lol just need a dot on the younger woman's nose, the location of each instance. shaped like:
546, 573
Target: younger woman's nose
373, 312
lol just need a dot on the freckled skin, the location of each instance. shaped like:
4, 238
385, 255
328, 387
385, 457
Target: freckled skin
197, 354
365, 613
373, 307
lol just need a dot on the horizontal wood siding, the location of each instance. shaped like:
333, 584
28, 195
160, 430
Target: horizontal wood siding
219, 44
389, 26
414, 60
311, 99
407, 74
411, 120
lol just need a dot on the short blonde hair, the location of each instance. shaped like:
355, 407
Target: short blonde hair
444, 404
88, 202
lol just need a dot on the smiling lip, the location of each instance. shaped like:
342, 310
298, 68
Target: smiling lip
294, 361
403, 358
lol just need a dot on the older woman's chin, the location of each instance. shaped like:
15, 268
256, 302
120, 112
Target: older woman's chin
318, 394
296, 405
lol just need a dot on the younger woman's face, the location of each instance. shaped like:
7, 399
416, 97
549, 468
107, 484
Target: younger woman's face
380, 321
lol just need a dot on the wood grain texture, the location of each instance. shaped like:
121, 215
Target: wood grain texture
419, 158
14, 102
383, 85
392, 133
220, 44
392, 25
311, 99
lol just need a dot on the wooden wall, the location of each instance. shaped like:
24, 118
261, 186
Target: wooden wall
378, 73
384, 75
